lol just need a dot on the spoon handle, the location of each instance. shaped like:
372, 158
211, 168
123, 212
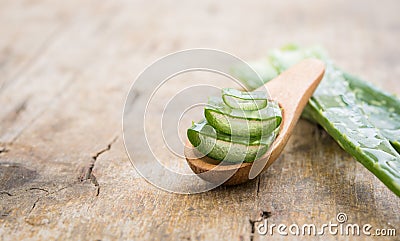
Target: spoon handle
292, 89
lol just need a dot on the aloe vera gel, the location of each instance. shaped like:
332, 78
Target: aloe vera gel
238, 126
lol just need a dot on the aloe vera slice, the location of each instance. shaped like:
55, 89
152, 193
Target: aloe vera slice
361, 118
220, 146
244, 100
242, 122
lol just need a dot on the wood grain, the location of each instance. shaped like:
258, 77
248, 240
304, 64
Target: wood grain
65, 68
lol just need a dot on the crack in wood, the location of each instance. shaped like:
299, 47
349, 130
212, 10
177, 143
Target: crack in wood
105, 149
34, 205
6, 193
258, 185
48, 193
262, 216
3, 149
87, 173
38, 188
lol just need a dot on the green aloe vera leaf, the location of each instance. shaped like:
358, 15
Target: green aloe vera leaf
236, 99
360, 117
338, 110
222, 147
287, 56
369, 148
241, 122
382, 109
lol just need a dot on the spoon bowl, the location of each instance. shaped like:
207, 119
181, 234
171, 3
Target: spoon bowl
293, 88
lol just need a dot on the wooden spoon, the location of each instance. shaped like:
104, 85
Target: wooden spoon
292, 89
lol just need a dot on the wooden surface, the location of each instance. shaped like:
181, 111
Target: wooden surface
66, 67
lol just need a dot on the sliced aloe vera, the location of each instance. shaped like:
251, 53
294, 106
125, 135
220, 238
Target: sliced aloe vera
222, 147
242, 122
244, 100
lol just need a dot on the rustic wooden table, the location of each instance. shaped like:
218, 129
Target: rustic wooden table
66, 67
